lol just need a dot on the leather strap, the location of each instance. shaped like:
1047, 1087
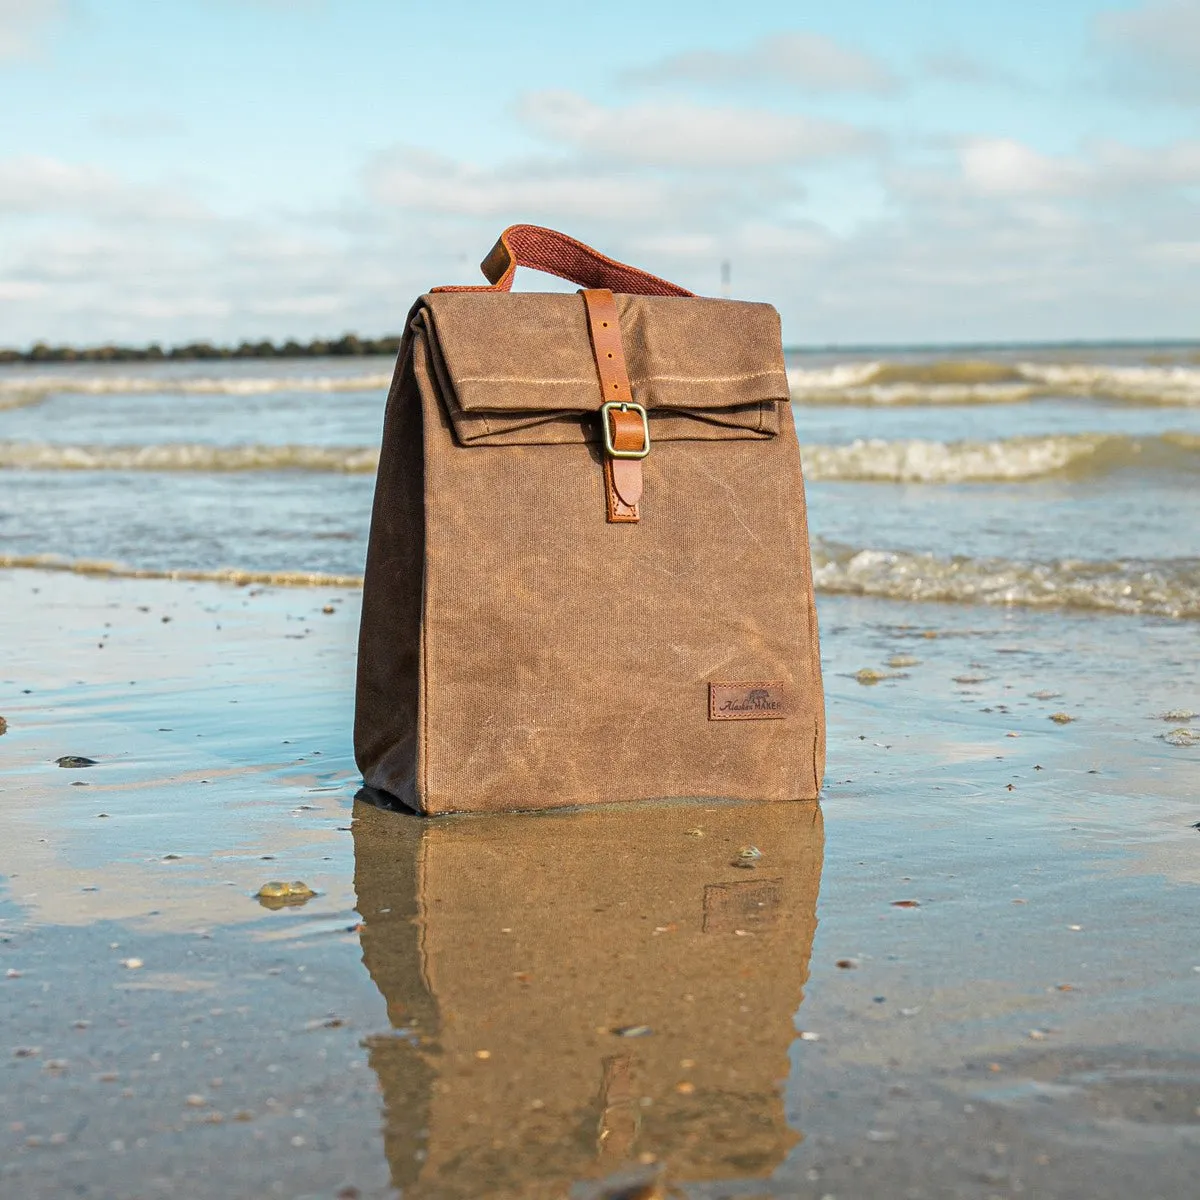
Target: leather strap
622, 476
553, 252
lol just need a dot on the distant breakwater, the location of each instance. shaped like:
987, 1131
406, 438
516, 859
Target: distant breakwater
348, 346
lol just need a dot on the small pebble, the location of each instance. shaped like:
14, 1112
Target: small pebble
277, 894
132, 964
1061, 718
73, 761
1181, 737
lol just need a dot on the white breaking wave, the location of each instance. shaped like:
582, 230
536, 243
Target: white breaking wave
918, 461
955, 381
1163, 589
32, 388
233, 575
872, 460
18, 397
183, 456
1154, 385
1167, 589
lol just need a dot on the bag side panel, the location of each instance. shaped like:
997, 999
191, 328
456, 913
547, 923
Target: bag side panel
387, 704
567, 660
798, 514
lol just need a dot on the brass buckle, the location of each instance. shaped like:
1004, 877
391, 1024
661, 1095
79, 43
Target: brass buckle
624, 406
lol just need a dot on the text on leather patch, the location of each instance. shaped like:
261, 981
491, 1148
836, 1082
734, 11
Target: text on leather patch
748, 701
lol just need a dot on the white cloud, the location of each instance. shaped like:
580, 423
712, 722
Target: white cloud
996, 238
809, 62
419, 181
1006, 167
37, 185
1160, 43
687, 135
23, 23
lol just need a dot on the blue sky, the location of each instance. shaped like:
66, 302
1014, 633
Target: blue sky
881, 171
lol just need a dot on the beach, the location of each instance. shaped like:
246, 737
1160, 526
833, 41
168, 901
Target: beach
971, 971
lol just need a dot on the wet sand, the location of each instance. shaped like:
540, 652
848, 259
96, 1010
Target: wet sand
974, 971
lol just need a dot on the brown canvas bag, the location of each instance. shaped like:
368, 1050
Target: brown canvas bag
588, 575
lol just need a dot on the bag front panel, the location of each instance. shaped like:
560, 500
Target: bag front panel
568, 661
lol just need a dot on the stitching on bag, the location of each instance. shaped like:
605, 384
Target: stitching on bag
704, 378
633, 378
517, 379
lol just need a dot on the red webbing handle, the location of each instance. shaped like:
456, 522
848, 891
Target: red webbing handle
556, 254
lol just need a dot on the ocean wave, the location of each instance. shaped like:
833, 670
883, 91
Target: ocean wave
185, 456
1158, 588
1140, 588
32, 388
11, 398
965, 381
1076, 455
231, 575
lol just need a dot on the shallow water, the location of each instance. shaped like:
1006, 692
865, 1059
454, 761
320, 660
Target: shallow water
1082, 495
443, 1015
1009, 603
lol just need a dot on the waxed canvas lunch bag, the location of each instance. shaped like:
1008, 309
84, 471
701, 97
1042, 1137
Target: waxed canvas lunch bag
588, 576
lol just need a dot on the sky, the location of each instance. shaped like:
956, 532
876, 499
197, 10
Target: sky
883, 171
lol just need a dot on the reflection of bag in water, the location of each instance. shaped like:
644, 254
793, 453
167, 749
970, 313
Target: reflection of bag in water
510, 951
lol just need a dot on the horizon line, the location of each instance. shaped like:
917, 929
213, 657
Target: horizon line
352, 345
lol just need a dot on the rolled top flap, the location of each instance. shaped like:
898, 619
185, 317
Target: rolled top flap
530, 353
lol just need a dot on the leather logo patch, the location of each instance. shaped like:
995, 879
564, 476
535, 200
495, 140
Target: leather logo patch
748, 701
740, 907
